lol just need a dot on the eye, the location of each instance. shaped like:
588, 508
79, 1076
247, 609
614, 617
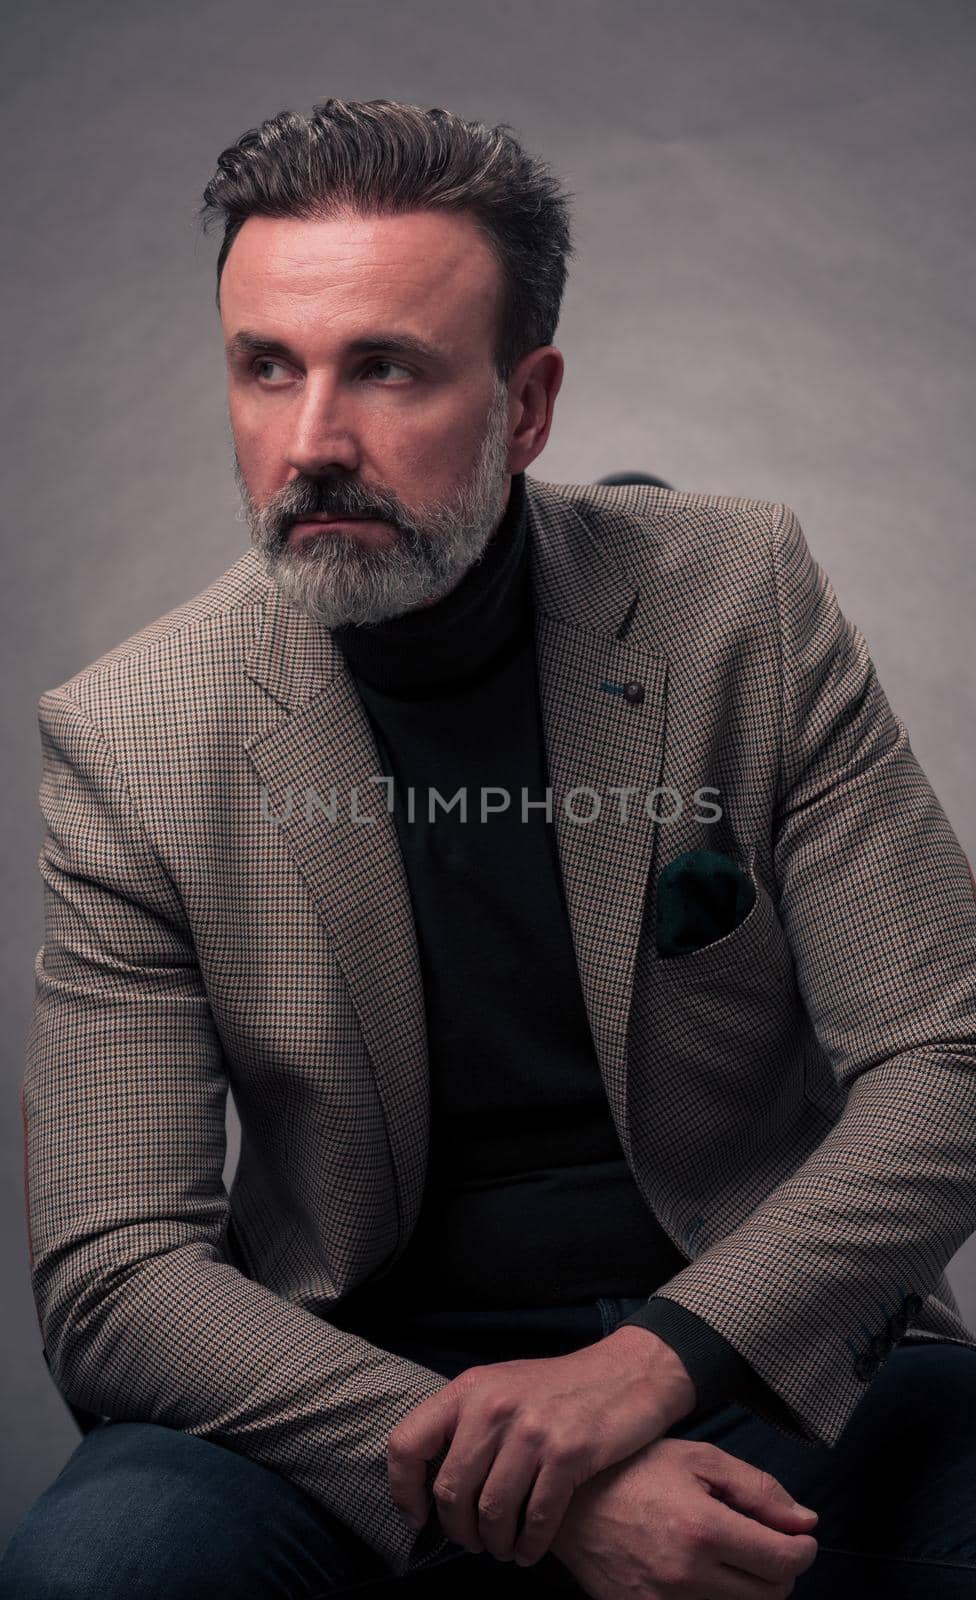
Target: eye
264, 361
267, 361
383, 362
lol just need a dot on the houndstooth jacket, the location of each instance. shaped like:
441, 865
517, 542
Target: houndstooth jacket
796, 1100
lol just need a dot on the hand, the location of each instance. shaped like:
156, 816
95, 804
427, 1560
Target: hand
528, 1433
658, 1525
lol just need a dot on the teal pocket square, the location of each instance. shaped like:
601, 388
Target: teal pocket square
701, 896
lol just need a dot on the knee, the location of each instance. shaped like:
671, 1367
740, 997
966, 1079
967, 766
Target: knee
108, 1562
100, 1559
125, 1516
35, 1563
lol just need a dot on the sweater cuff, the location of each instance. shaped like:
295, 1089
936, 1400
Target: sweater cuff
717, 1370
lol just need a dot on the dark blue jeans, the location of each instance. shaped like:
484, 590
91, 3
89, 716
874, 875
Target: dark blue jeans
145, 1512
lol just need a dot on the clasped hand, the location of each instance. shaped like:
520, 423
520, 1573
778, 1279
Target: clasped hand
525, 1435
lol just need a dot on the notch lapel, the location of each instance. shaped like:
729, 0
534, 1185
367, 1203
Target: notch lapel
353, 868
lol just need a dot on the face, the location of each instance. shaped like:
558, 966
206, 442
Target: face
374, 443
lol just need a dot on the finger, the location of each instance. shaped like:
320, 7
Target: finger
507, 1490
412, 1444
547, 1506
457, 1487
757, 1551
751, 1489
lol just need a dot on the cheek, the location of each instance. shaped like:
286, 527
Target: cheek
429, 456
413, 461
243, 426
255, 441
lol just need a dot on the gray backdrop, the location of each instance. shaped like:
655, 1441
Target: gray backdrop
772, 297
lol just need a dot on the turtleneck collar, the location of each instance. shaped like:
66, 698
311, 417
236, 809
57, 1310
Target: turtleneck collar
454, 640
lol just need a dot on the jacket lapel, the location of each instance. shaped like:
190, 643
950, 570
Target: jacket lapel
596, 738
589, 633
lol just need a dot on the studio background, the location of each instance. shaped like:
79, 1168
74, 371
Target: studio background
772, 297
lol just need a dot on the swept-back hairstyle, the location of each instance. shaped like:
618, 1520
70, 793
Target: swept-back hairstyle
378, 157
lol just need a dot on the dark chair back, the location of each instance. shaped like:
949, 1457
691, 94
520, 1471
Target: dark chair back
635, 477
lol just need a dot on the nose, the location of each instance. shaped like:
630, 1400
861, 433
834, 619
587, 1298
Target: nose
322, 438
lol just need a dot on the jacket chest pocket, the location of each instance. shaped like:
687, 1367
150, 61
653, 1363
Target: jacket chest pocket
747, 942
715, 1032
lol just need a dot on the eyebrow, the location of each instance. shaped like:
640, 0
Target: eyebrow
246, 343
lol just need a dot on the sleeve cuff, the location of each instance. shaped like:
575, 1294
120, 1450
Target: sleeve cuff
721, 1375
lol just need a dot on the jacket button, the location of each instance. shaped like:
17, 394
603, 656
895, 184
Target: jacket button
634, 692
913, 1304
865, 1368
898, 1325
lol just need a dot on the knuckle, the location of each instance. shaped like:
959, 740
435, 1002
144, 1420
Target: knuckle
568, 1453
696, 1455
697, 1450
490, 1510
445, 1494
696, 1535
472, 1375
538, 1516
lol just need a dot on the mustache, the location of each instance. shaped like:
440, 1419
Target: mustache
334, 500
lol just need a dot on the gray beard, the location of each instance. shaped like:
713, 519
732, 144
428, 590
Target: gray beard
340, 582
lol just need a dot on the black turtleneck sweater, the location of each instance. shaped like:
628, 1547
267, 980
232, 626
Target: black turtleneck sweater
528, 1199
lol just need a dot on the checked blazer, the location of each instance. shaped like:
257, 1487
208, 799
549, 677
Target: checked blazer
796, 1100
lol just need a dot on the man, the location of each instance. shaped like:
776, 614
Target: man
545, 871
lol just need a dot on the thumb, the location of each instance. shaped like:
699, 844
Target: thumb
418, 1439
759, 1495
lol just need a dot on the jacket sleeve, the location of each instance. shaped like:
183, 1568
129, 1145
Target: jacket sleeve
142, 1317
876, 899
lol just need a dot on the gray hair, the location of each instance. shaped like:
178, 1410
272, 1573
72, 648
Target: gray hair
378, 157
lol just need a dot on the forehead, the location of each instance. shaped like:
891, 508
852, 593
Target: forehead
433, 272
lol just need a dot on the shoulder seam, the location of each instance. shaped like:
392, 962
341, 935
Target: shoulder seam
60, 694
